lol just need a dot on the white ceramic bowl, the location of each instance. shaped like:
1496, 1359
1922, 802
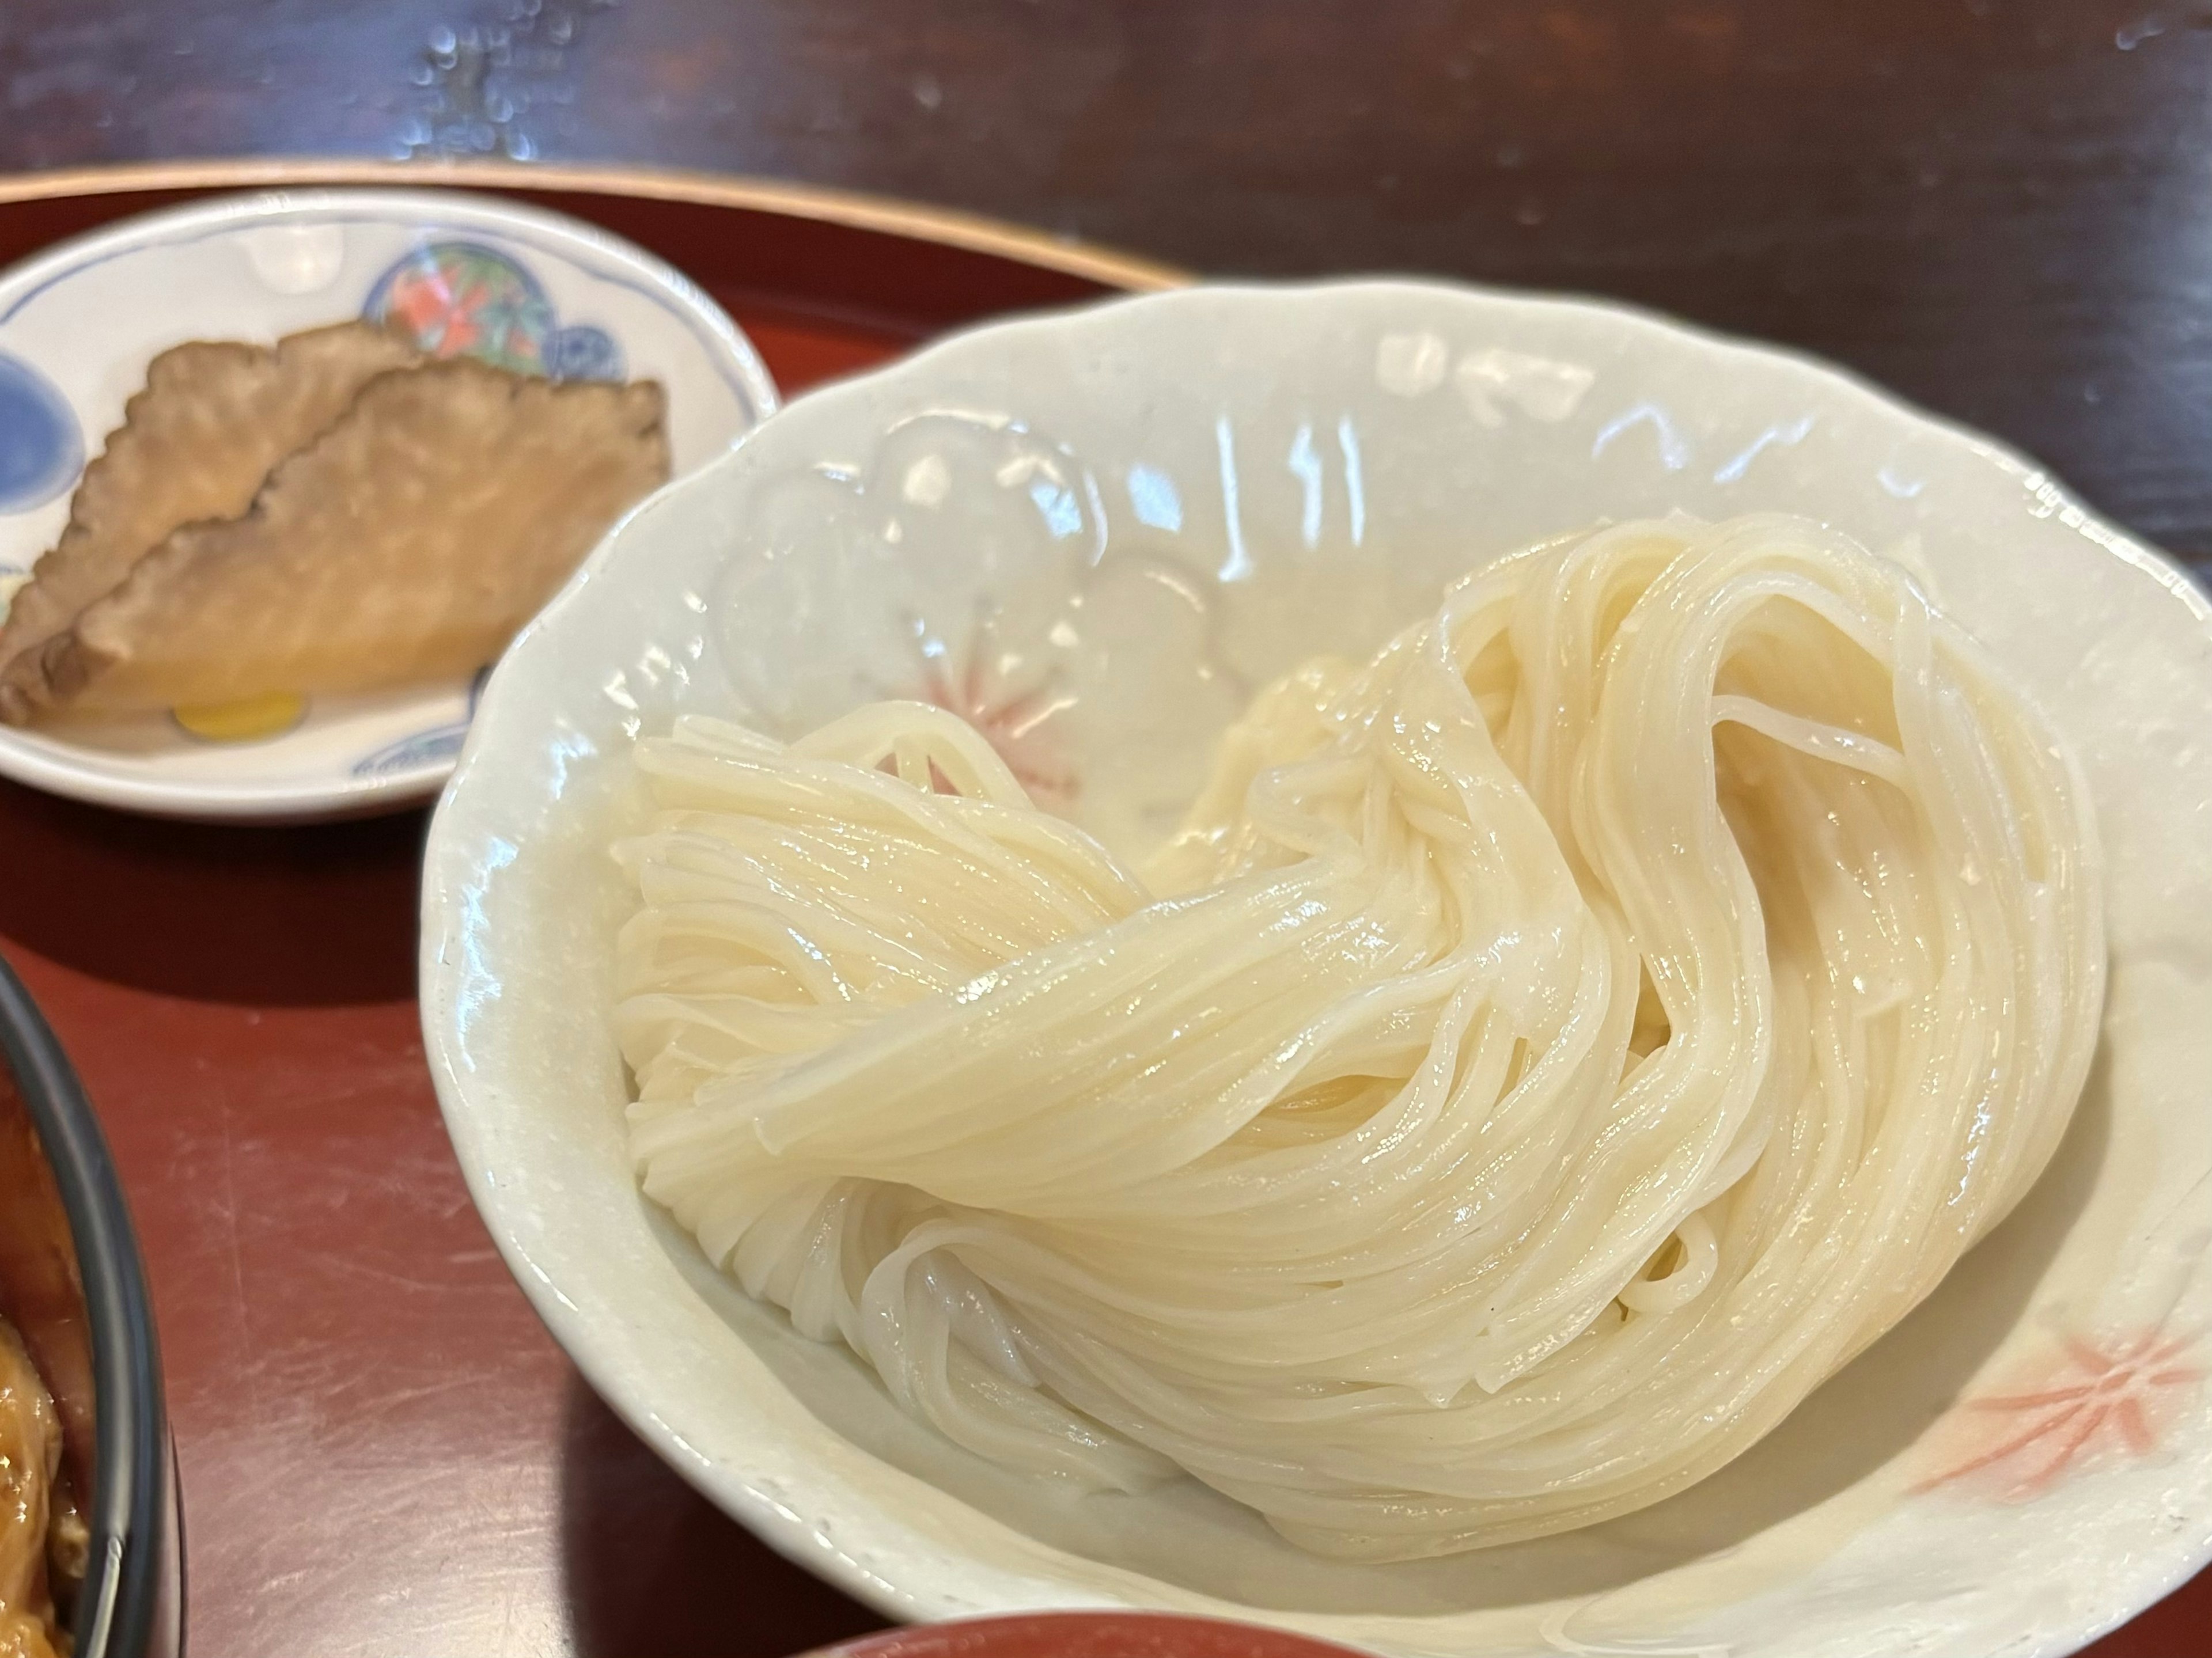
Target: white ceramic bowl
1095, 531
471, 274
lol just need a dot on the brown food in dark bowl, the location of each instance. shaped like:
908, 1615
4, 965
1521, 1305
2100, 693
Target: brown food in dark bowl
89, 1539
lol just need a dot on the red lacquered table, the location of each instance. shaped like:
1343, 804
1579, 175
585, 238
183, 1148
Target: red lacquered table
382, 1451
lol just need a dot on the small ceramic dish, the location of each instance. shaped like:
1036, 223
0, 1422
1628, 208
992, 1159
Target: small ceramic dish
463, 275
1093, 534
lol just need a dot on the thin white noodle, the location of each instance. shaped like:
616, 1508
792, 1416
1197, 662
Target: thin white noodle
1547, 1054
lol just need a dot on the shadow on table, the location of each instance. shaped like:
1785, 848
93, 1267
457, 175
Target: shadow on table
315, 915
649, 1565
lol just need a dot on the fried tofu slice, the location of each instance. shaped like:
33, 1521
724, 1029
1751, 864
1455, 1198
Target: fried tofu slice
196, 443
407, 543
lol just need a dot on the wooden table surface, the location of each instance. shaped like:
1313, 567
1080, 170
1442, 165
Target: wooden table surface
2001, 208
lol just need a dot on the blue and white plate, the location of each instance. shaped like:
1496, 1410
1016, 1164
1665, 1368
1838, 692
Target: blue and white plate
465, 274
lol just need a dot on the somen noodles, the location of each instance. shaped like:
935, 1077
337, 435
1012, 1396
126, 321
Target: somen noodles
1547, 1053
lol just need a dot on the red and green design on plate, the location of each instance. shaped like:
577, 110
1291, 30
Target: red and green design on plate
465, 298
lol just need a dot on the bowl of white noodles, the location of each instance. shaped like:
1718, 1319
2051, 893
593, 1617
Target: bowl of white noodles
1467, 972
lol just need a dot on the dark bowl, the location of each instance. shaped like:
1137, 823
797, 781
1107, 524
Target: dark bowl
71, 1279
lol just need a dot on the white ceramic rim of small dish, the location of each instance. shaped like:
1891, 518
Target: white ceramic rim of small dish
58, 766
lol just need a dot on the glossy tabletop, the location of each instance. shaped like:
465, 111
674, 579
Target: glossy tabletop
2001, 208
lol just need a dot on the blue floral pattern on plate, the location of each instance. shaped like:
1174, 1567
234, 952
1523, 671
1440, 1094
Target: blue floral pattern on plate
439, 743
41, 450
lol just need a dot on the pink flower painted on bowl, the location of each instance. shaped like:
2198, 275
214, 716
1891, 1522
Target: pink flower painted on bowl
1014, 719
2089, 1399
990, 569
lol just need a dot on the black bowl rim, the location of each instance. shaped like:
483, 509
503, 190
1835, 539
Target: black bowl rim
116, 1608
